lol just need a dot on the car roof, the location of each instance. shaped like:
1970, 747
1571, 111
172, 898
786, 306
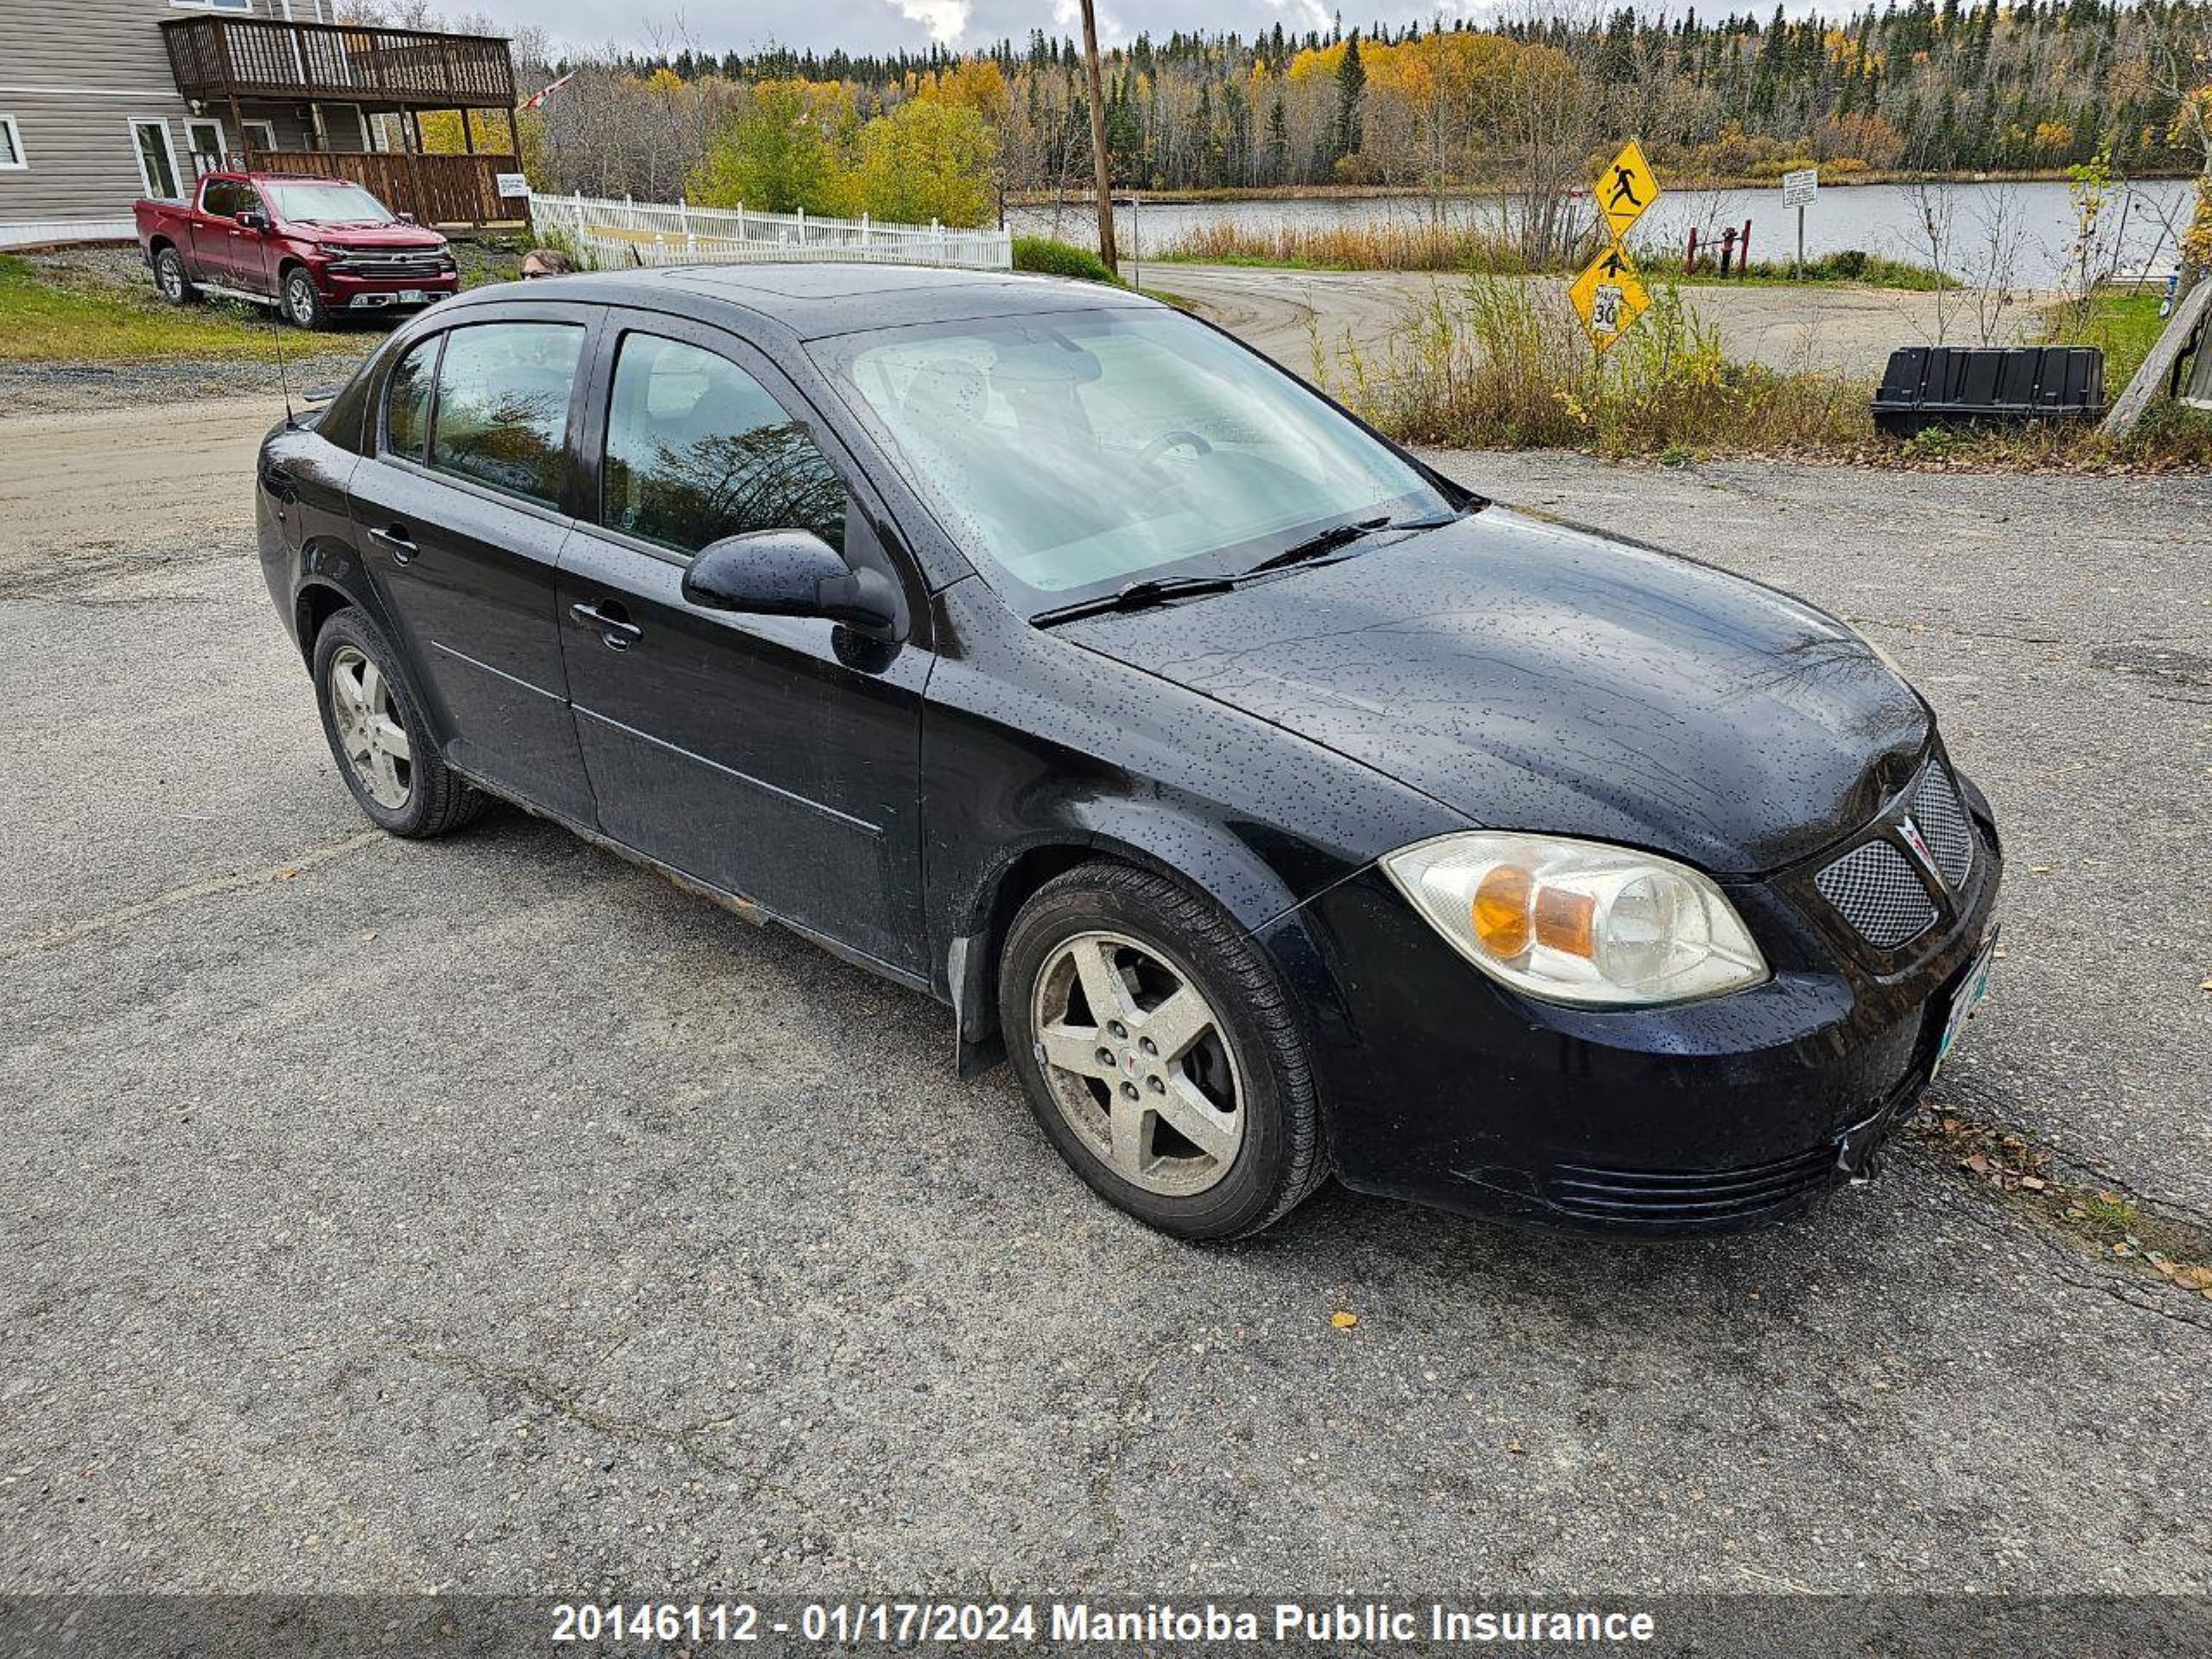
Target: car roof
812, 299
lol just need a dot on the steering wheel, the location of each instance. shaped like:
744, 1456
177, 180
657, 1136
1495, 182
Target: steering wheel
1181, 438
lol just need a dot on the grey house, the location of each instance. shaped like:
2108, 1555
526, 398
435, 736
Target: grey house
104, 101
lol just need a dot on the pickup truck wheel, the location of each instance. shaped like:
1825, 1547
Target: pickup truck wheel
169, 277
302, 303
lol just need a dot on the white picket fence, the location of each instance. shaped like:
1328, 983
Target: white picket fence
612, 234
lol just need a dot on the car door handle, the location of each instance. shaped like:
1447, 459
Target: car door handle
401, 545
616, 631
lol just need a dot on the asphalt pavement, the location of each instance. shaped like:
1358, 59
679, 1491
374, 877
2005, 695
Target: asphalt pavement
488, 1214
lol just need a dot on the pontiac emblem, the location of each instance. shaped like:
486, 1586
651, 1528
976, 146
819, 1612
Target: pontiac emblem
1918, 843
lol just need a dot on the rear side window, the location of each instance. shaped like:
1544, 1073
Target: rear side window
407, 401
502, 412
697, 449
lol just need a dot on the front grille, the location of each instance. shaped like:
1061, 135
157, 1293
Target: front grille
1644, 1196
1878, 892
1942, 820
394, 265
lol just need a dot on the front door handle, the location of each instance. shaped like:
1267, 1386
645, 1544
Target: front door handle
616, 631
400, 543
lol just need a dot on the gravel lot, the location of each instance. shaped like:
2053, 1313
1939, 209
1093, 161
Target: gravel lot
489, 1215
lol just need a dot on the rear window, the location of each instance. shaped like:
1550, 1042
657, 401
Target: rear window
502, 412
407, 401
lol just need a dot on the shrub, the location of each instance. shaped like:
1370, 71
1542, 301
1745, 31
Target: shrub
927, 159
1041, 253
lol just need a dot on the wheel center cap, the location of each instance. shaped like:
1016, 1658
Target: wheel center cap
1130, 1064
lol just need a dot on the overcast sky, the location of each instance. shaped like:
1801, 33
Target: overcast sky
886, 25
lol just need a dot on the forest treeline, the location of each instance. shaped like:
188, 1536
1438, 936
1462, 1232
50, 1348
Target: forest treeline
1525, 103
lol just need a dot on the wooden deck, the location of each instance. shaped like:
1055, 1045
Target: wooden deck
216, 59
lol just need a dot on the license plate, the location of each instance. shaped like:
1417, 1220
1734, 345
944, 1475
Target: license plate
410, 297
1972, 990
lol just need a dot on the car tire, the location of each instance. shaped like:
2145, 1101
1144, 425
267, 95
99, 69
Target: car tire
1206, 1138
384, 749
303, 304
170, 279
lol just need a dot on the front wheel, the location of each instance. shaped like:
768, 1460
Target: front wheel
302, 303
1161, 1053
168, 276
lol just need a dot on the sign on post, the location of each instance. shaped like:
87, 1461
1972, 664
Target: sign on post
1609, 296
1799, 188
1626, 188
511, 185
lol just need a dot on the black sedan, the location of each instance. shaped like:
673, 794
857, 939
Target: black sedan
1277, 806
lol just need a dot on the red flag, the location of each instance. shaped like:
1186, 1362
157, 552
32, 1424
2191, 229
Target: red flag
544, 93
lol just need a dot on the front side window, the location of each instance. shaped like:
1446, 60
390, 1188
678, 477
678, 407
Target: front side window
221, 198
11, 145
1072, 452
697, 449
502, 414
407, 401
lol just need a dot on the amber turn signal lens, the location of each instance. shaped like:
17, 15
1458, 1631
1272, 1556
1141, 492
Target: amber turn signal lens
1567, 921
1500, 911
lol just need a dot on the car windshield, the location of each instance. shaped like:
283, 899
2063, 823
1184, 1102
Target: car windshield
1074, 452
328, 204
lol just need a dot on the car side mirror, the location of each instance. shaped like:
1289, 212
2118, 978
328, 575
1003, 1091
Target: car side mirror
252, 218
789, 573
407, 218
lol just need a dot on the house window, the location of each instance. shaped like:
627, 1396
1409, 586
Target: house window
260, 134
11, 146
157, 159
209, 151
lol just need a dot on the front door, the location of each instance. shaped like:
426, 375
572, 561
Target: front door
461, 515
777, 758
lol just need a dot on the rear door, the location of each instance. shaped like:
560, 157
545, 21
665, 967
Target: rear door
461, 511
777, 758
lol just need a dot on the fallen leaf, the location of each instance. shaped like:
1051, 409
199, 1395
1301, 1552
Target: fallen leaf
1344, 1319
1516, 1448
2206, 986
369, 939
2034, 1183
1978, 1163
2193, 1278
286, 875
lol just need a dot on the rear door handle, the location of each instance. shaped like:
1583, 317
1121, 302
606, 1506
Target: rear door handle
616, 631
401, 545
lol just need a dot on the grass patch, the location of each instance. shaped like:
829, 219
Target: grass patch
2124, 324
82, 318
1499, 363
1846, 267
1050, 259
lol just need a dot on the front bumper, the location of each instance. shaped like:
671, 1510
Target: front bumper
345, 290
1446, 1088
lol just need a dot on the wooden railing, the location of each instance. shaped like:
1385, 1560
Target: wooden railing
215, 58
436, 189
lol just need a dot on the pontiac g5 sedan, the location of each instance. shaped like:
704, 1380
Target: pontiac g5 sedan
1277, 807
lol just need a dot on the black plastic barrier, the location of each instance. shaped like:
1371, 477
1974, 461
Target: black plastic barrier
1958, 385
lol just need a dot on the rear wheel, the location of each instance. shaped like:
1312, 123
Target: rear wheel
383, 748
168, 276
1161, 1052
302, 303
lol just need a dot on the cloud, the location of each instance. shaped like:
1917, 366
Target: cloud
946, 20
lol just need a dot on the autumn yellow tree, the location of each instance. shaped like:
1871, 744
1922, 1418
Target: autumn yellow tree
929, 159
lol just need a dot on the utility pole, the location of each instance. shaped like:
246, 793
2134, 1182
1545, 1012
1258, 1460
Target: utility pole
1105, 175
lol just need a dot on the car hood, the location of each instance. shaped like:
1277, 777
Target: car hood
381, 238
1537, 677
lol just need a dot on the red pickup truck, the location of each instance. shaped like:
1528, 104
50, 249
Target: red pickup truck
311, 247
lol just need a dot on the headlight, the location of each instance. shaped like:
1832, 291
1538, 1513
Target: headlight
334, 249
1578, 921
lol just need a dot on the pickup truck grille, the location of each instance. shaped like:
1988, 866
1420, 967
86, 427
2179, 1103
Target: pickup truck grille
407, 262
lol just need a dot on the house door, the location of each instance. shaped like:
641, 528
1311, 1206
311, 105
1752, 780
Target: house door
156, 160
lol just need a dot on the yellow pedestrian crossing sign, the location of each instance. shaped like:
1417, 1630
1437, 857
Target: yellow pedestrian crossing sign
1609, 296
1626, 188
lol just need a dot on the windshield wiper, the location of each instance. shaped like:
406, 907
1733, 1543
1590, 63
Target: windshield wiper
1135, 595
1154, 590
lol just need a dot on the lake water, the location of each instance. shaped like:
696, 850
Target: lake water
2031, 228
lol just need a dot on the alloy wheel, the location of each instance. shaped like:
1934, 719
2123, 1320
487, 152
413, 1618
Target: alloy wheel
1138, 1063
172, 277
369, 729
303, 300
